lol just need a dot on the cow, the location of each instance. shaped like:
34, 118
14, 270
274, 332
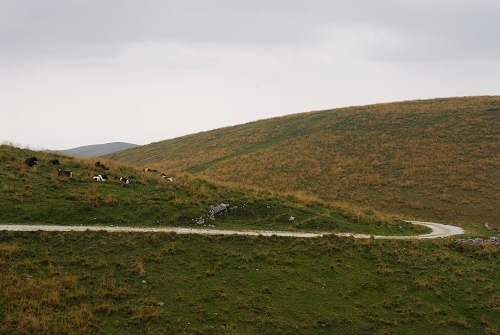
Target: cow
100, 177
102, 166
31, 161
164, 176
65, 173
150, 170
124, 180
54, 162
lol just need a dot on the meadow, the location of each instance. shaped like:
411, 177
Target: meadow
142, 283
435, 160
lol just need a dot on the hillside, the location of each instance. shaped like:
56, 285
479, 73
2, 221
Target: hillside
97, 150
39, 195
164, 283
427, 159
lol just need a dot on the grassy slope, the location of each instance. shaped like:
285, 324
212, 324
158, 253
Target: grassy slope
123, 283
434, 160
38, 195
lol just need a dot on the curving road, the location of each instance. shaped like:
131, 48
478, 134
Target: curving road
438, 231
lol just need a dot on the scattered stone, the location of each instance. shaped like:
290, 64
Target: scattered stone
143, 281
214, 210
292, 218
486, 225
199, 221
495, 240
218, 209
160, 303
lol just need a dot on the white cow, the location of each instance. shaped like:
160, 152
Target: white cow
99, 178
164, 176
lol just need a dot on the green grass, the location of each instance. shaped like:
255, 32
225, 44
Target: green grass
131, 283
143, 283
434, 160
38, 196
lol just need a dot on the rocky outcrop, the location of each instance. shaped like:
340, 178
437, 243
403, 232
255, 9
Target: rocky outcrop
495, 240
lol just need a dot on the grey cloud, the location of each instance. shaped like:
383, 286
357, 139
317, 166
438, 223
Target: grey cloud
429, 29
75, 72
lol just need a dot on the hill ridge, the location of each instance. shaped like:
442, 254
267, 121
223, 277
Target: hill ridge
432, 159
96, 150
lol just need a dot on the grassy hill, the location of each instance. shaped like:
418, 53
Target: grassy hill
38, 195
144, 283
432, 159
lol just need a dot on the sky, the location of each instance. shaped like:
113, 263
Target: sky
79, 72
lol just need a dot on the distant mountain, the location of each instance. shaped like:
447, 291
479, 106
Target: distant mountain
96, 150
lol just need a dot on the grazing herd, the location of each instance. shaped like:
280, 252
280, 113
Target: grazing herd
163, 175
32, 161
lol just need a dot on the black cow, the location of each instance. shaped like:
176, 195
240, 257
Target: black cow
31, 161
65, 173
99, 165
55, 162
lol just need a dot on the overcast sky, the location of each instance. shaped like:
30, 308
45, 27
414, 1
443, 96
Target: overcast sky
77, 72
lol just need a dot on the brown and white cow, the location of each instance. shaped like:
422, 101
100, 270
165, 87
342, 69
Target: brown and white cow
62, 173
124, 180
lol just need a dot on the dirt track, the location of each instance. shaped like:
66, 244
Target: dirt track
438, 231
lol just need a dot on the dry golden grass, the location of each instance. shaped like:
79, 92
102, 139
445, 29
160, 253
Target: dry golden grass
434, 159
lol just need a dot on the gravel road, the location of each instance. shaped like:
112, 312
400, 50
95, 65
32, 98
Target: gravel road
438, 231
